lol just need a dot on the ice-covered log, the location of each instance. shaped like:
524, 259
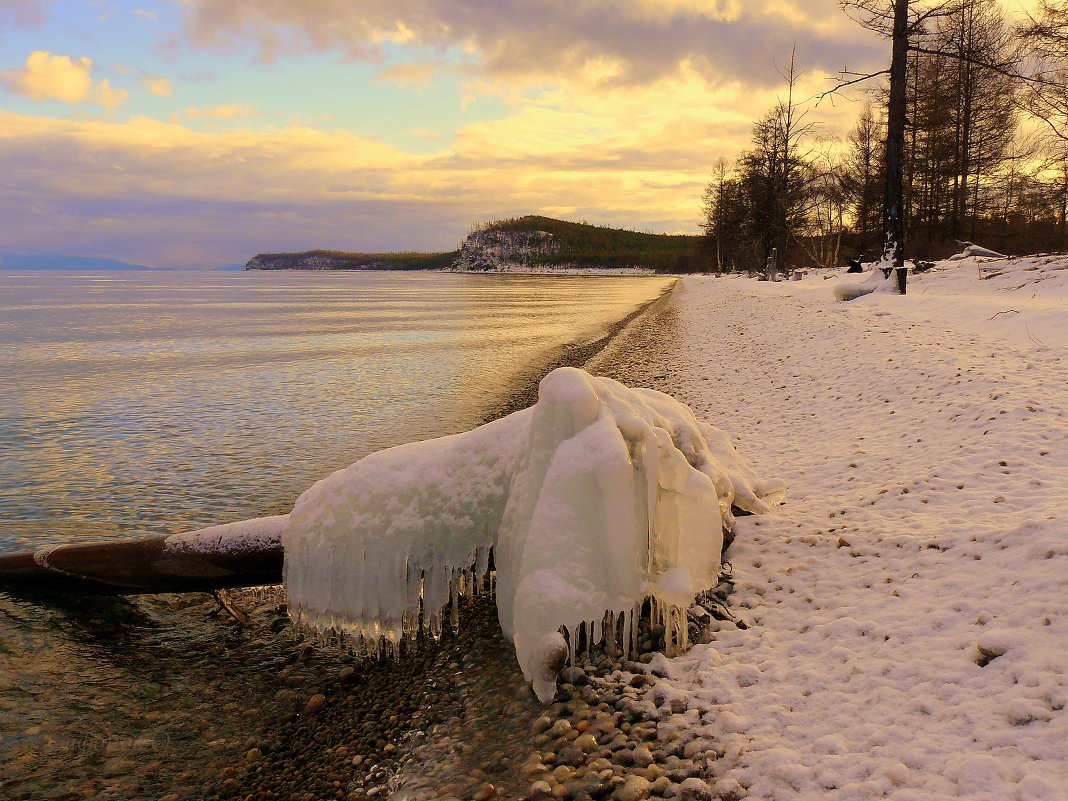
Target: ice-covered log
595, 499
242, 554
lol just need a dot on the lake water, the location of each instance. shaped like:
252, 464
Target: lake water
158, 402
151, 403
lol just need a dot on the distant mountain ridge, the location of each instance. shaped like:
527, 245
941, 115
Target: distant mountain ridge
57, 261
522, 244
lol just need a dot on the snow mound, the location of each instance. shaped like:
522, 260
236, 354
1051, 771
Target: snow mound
975, 251
593, 500
875, 282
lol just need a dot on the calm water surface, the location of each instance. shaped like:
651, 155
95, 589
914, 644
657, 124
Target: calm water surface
151, 403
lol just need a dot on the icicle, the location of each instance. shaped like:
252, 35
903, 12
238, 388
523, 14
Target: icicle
482, 557
454, 613
434, 626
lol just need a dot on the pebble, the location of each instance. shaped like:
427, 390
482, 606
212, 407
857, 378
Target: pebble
539, 789
586, 742
636, 788
575, 676
315, 703
560, 728
642, 757
695, 789
484, 792
254, 754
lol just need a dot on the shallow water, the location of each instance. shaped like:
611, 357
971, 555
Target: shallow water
150, 403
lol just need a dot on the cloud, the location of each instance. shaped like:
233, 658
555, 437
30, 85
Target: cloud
48, 76
644, 40
148, 16
107, 97
231, 111
23, 13
158, 86
417, 74
52, 77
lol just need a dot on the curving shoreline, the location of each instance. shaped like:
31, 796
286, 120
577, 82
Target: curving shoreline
456, 720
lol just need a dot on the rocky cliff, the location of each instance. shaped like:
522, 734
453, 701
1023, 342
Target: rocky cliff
494, 250
295, 261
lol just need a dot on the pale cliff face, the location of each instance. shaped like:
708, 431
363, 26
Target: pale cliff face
493, 250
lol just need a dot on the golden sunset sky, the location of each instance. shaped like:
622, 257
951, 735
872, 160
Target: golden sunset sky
200, 132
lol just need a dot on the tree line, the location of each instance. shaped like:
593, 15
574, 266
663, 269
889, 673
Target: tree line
981, 147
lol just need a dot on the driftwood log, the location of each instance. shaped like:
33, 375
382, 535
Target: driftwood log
245, 554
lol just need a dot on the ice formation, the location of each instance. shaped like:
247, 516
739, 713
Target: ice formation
593, 500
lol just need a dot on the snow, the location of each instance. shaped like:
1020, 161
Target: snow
594, 499
875, 282
971, 251
907, 609
246, 535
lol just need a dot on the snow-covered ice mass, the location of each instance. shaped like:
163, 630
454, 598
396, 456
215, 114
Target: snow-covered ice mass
594, 499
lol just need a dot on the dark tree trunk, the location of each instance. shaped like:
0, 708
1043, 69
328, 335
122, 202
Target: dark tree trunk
894, 247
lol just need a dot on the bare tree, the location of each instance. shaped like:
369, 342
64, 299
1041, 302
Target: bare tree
715, 207
912, 28
862, 174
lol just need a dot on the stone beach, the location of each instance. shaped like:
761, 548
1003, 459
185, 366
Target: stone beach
457, 721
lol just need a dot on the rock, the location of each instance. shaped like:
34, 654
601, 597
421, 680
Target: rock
484, 792
599, 789
573, 675
539, 789
357, 760
587, 742
315, 703
347, 675
635, 789
643, 757
694, 789
254, 755
660, 786
561, 774
571, 755
560, 728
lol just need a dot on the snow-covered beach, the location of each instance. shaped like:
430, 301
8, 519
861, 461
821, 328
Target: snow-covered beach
907, 630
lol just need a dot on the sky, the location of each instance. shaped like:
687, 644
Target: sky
201, 132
